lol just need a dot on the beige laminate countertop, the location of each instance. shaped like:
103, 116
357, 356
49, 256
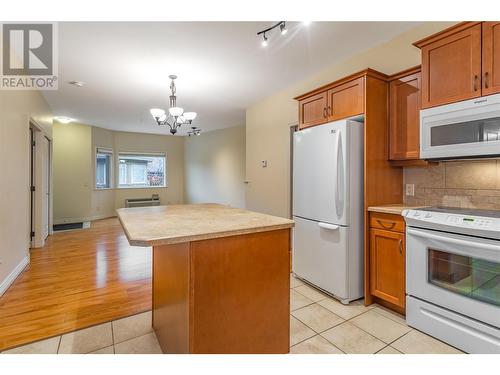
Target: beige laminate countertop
162, 225
396, 209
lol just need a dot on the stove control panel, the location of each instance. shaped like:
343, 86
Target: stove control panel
469, 221
463, 223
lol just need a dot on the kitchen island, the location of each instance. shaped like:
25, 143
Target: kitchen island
221, 277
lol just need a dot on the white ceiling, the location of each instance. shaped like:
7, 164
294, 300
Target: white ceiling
222, 67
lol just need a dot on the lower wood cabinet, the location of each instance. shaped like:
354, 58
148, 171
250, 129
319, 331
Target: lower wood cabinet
387, 261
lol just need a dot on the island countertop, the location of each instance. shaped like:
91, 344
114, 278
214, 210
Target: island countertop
162, 225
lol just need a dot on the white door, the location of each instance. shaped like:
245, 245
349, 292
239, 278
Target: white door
320, 164
45, 186
320, 255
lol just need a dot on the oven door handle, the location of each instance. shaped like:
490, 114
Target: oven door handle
455, 241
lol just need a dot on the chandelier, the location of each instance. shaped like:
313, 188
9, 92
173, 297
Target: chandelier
176, 115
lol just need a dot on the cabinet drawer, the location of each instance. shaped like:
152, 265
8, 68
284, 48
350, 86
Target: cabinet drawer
389, 222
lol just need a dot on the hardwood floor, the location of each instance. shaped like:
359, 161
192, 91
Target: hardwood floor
79, 279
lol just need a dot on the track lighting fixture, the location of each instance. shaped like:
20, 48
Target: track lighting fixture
283, 28
281, 25
264, 41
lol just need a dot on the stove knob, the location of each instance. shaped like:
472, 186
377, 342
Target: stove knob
416, 214
428, 215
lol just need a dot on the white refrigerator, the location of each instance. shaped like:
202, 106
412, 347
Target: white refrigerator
328, 208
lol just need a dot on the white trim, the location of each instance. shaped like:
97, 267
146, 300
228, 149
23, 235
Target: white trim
83, 219
14, 274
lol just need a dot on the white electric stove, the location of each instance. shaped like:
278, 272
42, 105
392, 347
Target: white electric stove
453, 276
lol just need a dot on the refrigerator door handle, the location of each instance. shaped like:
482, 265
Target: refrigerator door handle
339, 178
328, 226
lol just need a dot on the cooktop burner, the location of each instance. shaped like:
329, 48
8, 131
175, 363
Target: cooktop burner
463, 211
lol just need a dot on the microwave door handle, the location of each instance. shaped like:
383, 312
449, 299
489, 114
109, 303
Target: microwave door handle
454, 241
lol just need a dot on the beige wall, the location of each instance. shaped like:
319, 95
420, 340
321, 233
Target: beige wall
268, 121
16, 109
72, 171
215, 167
467, 184
74, 150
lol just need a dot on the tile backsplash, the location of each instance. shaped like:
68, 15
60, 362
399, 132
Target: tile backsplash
467, 184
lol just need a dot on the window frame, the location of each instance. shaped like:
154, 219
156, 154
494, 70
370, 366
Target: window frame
105, 150
141, 153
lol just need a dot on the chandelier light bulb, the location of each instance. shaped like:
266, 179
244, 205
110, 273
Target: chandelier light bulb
190, 116
157, 112
176, 111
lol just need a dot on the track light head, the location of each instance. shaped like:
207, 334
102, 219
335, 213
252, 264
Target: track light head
283, 28
264, 40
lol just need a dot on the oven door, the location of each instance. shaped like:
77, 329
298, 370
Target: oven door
460, 273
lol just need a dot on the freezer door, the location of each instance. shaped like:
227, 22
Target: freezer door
320, 173
320, 255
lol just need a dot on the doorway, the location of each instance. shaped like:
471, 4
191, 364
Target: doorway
40, 186
45, 193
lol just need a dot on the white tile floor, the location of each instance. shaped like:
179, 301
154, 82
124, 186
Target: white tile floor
318, 324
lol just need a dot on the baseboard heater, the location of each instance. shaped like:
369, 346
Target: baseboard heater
143, 202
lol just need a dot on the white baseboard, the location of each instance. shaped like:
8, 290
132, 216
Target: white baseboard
84, 219
14, 274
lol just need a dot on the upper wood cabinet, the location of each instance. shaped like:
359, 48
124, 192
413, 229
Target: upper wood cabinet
346, 100
340, 99
491, 58
313, 110
460, 63
451, 65
404, 110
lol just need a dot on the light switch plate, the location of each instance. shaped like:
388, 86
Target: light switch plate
410, 190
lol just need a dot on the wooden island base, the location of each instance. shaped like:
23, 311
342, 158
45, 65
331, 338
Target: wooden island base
223, 295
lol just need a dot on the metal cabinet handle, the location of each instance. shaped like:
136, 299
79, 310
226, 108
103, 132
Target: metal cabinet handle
486, 80
401, 247
393, 223
330, 110
475, 82
325, 112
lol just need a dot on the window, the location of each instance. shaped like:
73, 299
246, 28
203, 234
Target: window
141, 170
103, 163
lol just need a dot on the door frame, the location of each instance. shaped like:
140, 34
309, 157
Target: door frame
36, 180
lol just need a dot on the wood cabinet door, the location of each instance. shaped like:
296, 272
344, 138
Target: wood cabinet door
404, 117
346, 100
491, 57
451, 68
313, 110
387, 266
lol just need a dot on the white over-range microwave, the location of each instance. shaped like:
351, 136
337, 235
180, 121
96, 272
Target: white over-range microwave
467, 129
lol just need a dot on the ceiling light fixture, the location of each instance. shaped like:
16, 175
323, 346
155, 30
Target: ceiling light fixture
77, 83
283, 28
281, 25
63, 119
264, 41
176, 115
194, 131
306, 23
